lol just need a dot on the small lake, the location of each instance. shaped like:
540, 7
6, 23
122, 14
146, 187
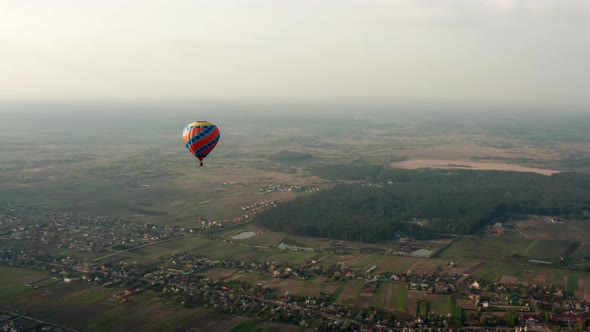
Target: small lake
243, 235
283, 245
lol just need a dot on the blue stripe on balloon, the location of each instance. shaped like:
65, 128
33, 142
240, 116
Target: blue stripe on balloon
196, 139
199, 135
205, 147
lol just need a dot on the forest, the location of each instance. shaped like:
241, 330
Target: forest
373, 203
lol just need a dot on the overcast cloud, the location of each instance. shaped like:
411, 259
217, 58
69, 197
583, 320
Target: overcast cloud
459, 51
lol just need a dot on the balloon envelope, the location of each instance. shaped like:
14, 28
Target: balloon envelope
200, 138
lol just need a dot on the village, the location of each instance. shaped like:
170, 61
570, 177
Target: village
271, 188
182, 277
98, 234
490, 304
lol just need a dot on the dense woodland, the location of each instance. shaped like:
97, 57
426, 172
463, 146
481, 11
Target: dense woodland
373, 203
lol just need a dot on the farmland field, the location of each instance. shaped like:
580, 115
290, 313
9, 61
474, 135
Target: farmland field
351, 292
549, 250
541, 227
467, 164
93, 309
506, 248
485, 248
391, 296
367, 262
445, 304
396, 264
13, 280
299, 287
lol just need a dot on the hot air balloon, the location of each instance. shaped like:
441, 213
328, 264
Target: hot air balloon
200, 138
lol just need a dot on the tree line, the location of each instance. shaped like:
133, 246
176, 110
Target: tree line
377, 202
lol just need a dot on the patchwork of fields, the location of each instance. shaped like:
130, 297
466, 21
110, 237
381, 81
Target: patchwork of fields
151, 177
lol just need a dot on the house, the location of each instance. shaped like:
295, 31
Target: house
494, 230
530, 319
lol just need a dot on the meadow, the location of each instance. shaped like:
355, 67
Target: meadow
12, 283
506, 248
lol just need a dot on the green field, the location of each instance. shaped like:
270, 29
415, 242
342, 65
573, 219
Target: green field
246, 326
572, 285
341, 286
367, 262
152, 253
13, 280
495, 271
549, 250
445, 304
351, 292
485, 248
391, 296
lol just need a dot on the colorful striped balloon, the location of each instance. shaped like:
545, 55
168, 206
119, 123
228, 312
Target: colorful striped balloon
200, 138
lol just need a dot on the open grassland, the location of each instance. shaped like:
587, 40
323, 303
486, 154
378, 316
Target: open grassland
154, 252
223, 250
367, 262
300, 287
505, 248
519, 273
549, 250
13, 280
571, 286
495, 271
424, 266
393, 264
581, 255
541, 227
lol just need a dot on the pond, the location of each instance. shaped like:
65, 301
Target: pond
243, 235
283, 245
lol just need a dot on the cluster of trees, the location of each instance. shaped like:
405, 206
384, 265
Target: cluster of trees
381, 201
348, 212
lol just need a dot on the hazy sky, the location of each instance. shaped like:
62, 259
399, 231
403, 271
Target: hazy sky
459, 51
